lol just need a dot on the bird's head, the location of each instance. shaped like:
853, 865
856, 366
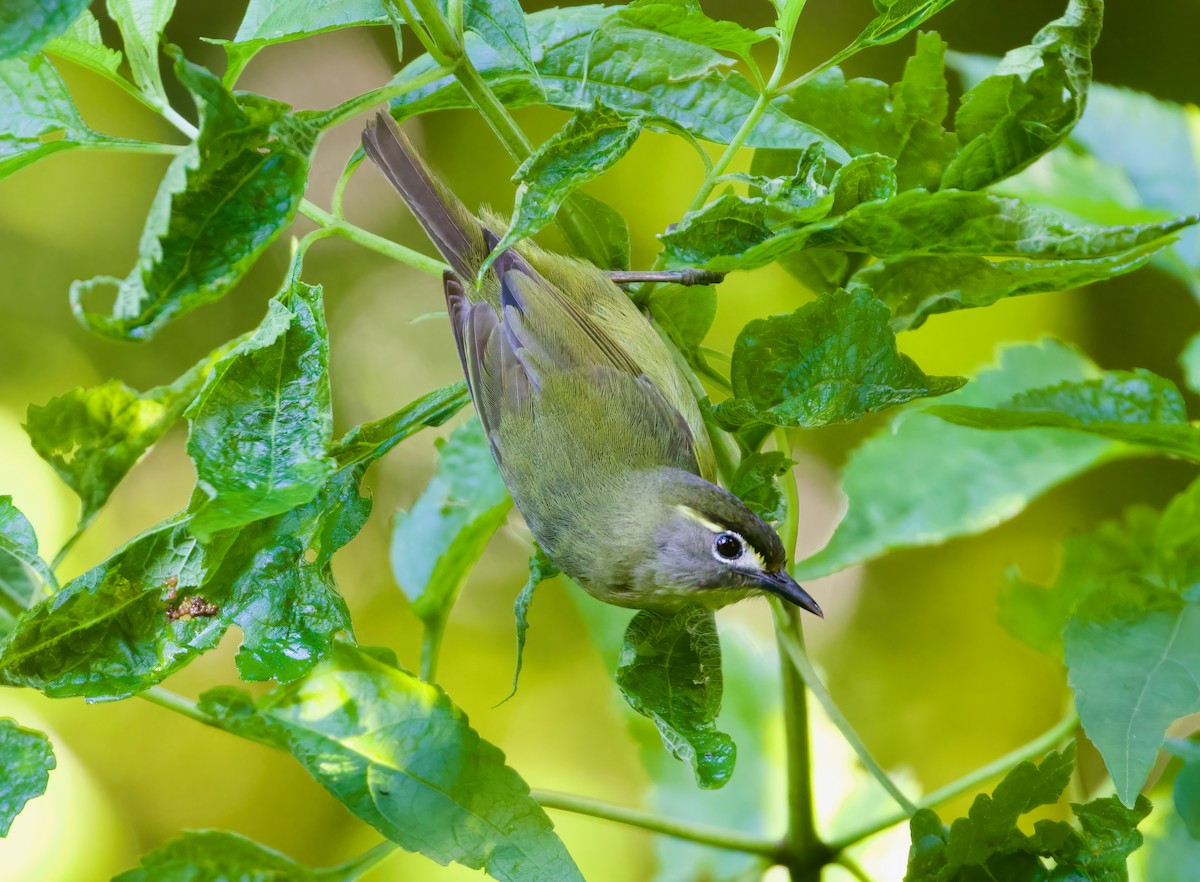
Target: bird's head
708, 540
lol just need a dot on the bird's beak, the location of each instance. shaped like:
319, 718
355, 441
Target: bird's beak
783, 585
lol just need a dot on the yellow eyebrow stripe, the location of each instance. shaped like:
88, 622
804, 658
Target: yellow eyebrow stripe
692, 515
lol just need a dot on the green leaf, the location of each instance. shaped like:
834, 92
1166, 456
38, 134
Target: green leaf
1190, 361
435, 544
402, 757
895, 19
756, 483
591, 143
1170, 853
24, 576
990, 844
83, 44
1187, 783
717, 237
223, 200
218, 856
262, 423
501, 24
267, 22
903, 121
541, 569
917, 286
921, 480
26, 25
141, 23
27, 758
685, 312
37, 115
120, 627
632, 70
685, 20
600, 233
1030, 102
670, 672
831, 361
93, 437
1137, 408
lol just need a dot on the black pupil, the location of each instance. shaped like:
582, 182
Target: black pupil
728, 546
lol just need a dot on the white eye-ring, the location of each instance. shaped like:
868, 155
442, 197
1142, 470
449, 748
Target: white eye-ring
728, 546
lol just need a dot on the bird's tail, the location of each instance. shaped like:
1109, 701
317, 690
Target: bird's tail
455, 231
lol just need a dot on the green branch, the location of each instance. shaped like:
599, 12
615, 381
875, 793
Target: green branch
367, 239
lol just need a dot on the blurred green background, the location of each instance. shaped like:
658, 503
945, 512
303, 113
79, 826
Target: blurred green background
910, 644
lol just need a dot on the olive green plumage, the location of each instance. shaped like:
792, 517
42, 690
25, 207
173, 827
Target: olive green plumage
592, 425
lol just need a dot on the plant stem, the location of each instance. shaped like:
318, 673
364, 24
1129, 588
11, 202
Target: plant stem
431, 647
124, 145
352, 107
68, 545
180, 704
727, 839
347, 871
367, 239
1034, 749
851, 866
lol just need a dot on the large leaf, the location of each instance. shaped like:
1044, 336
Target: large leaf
218, 856
261, 424
93, 437
685, 20
922, 481
635, 71
26, 25
223, 200
400, 755
1137, 408
591, 142
141, 23
24, 576
1029, 103
831, 361
670, 671
717, 237
37, 115
917, 286
435, 544
990, 844
27, 758
83, 44
166, 596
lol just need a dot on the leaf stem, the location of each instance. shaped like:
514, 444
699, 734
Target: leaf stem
348, 871
718, 838
367, 239
80, 529
351, 107
1034, 749
431, 647
125, 145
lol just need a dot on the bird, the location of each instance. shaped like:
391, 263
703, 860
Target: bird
591, 423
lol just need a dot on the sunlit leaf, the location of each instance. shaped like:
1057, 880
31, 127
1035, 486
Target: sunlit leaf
402, 757
27, 758
219, 856
895, 19
959, 481
262, 423
435, 543
141, 23
26, 25
1029, 103
670, 671
23, 574
685, 20
831, 361
223, 200
83, 44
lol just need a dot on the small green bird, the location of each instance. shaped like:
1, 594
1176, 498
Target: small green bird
592, 425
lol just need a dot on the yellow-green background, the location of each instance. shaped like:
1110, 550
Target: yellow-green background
910, 644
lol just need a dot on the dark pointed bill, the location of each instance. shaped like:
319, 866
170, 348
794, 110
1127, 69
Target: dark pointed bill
781, 584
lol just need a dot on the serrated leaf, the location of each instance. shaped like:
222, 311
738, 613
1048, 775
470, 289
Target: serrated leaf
224, 199
141, 23
756, 483
24, 576
83, 44
1136, 408
26, 25
1133, 655
895, 19
831, 361
541, 569
1029, 103
125, 625
591, 142
402, 757
261, 426
685, 20
93, 437
435, 544
963, 481
27, 759
670, 672
219, 856
37, 115
634, 71
917, 286
903, 121
915, 221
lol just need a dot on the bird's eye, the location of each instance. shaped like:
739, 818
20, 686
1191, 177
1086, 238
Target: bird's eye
728, 546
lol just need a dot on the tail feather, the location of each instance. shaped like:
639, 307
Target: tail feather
455, 232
